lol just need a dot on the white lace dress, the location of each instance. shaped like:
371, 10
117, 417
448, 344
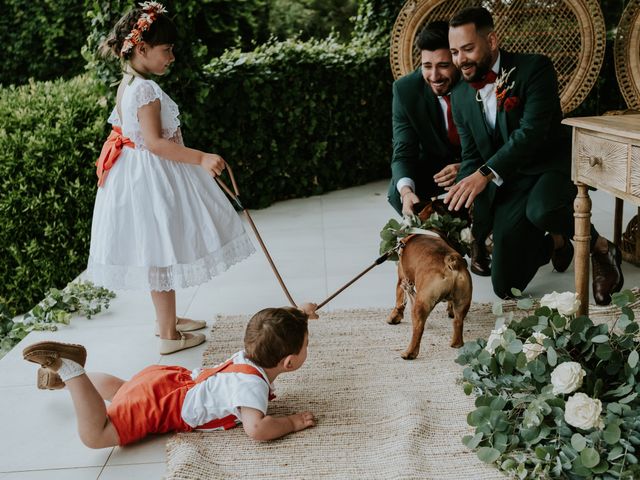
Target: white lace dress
160, 224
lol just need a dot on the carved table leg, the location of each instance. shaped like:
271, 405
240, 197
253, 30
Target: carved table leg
582, 214
617, 222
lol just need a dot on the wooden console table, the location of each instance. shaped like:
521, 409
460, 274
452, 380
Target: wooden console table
605, 155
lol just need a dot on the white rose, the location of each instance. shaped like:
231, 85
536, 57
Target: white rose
565, 303
465, 235
533, 349
568, 303
583, 412
567, 377
495, 339
549, 300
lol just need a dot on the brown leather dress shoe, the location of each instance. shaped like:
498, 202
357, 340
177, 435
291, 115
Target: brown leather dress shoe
607, 274
480, 260
49, 380
48, 354
561, 257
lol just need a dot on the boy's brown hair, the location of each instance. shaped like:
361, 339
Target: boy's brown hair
274, 333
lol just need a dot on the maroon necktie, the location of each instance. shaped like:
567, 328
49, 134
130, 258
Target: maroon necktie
452, 131
488, 78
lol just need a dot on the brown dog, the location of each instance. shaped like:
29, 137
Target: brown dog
430, 271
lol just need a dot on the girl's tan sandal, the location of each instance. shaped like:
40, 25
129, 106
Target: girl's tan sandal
188, 340
186, 325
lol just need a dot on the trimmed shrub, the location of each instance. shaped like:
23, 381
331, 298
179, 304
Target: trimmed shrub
50, 136
41, 40
295, 119
305, 19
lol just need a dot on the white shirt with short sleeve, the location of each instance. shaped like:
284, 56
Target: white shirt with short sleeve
224, 394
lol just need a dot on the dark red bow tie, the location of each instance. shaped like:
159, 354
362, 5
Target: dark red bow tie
488, 78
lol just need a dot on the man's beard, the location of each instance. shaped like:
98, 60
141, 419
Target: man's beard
482, 68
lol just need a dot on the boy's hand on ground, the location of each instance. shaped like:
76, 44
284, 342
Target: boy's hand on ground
302, 420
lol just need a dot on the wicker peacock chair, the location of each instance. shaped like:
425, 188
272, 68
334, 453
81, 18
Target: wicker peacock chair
626, 53
570, 32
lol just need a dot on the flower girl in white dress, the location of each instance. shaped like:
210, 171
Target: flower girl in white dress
160, 221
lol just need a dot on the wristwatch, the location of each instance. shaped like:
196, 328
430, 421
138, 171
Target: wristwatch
485, 170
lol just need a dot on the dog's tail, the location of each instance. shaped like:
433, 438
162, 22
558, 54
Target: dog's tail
455, 262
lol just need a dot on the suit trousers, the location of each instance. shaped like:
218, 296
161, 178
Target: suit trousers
523, 210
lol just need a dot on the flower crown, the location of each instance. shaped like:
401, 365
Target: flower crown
150, 12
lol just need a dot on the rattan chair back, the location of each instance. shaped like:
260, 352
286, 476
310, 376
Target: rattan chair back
571, 32
626, 51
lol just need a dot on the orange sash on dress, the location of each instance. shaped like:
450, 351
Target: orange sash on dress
111, 150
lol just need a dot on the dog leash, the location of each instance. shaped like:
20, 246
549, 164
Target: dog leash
235, 197
381, 259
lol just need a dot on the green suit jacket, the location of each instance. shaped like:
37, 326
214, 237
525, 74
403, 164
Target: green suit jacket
420, 144
531, 138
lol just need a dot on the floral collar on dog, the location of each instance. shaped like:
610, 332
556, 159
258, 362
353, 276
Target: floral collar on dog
451, 229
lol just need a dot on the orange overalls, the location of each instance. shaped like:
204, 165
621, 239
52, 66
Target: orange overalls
151, 402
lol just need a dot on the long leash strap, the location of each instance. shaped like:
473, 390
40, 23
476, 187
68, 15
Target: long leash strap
235, 197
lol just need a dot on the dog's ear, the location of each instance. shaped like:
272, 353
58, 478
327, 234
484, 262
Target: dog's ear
439, 206
425, 209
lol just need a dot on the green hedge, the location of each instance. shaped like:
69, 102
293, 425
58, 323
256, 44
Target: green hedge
295, 119
50, 135
41, 39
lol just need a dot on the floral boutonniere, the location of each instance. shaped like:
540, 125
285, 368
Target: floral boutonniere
502, 89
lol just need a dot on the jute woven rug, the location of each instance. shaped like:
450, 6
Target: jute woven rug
379, 416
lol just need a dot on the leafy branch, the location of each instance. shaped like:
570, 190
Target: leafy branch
58, 306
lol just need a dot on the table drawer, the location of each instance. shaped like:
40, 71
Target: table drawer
601, 162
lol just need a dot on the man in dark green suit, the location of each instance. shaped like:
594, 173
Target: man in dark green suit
426, 145
516, 159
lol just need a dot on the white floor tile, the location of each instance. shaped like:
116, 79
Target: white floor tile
39, 431
146, 471
61, 474
148, 450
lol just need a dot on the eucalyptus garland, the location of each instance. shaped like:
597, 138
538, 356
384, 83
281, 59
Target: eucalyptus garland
557, 394
454, 229
79, 298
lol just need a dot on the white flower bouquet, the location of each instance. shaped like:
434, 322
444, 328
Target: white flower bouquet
557, 395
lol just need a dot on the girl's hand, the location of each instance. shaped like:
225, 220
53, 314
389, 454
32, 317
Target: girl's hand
212, 163
302, 420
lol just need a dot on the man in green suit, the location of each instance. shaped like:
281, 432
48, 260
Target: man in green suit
426, 145
516, 159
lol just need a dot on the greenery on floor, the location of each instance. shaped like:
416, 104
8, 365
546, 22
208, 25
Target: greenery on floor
58, 306
558, 396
